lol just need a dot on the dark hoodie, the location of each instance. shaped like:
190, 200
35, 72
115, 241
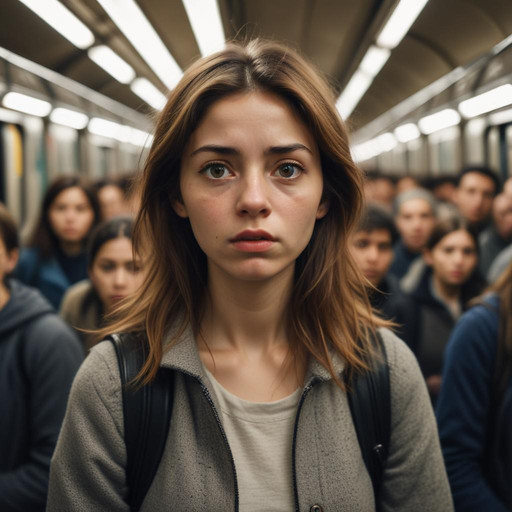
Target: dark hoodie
39, 357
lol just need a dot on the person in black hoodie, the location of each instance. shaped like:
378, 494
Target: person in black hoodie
39, 357
439, 288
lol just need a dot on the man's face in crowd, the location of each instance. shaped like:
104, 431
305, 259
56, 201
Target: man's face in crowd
415, 221
502, 216
373, 253
474, 197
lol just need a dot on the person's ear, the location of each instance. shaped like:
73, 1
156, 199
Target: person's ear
179, 207
12, 260
427, 257
323, 208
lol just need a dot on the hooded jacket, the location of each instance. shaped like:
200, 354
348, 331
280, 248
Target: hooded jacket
39, 357
197, 471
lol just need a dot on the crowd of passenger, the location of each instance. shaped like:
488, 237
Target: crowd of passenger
437, 256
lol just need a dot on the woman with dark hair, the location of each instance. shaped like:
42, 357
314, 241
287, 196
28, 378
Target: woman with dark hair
39, 357
253, 300
112, 197
55, 255
440, 290
474, 410
113, 275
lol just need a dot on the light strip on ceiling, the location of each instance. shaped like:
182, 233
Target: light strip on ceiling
109, 61
487, 102
407, 132
400, 22
63, 21
206, 23
70, 118
27, 104
387, 142
144, 89
374, 60
439, 121
503, 117
353, 92
127, 15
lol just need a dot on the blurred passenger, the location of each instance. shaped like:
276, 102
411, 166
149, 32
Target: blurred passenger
440, 291
497, 236
406, 183
475, 192
499, 264
507, 187
113, 275
55, 257
415, 217
39, 357
380, 190
372, 246
474, 410
443, 188
112, 199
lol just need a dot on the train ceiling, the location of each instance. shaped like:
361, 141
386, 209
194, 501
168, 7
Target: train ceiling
334, 34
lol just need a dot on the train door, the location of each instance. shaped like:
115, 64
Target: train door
11, 187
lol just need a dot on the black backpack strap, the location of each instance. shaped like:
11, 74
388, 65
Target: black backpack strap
147, 415
370, 405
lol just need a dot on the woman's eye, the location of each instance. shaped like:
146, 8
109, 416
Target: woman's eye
289, 171
216, 171
107, 268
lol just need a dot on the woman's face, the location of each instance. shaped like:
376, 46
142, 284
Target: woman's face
251, 184
114, 274
71, 215
454, 258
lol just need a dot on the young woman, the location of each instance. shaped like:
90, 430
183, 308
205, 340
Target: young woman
113, 274
475, 406
112, 197
440, 292
252, 297
39, 357
55, 257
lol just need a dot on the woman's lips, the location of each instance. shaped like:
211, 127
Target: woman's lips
253, 245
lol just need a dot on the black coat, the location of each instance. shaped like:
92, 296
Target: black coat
39, 357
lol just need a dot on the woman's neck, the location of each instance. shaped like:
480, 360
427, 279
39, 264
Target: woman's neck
249, 316
70, 248
450, 293
5, 295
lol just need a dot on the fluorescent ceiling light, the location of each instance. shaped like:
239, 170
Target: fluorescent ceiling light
486, 102
353, 92
374, 60
149, 93
204, 17
407, 132
105, 128
503, 117
8, 116
128, 16
27, 104
63, 21
439, 120
367, 150
400, 22
112, 63
387, 141
70, 118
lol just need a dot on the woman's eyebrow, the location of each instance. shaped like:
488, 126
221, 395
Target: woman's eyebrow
272, 150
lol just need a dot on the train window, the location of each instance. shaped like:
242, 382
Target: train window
417, 152
474, 141
62, 150
493, 147
445, 154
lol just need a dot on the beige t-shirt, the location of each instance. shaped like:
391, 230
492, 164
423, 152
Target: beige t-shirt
260, 436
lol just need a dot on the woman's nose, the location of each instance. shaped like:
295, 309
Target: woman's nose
253, 198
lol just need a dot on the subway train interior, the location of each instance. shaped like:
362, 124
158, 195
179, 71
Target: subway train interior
393, 348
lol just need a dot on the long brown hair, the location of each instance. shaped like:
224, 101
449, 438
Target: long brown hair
329, 306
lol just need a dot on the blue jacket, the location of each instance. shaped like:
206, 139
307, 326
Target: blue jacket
47, 276
463, 407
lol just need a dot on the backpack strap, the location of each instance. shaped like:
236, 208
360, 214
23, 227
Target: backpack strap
370, 404
147, 415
